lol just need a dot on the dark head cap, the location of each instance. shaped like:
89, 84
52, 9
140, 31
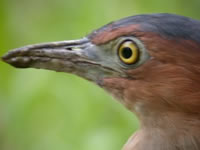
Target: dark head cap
167, 25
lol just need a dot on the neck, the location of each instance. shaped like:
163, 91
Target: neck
166, 131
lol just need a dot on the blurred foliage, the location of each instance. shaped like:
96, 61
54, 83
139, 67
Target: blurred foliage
44, 110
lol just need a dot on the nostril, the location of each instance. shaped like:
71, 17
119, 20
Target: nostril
68, 48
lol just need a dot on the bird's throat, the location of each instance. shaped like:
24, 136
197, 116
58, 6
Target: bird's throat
166, 133
162, 126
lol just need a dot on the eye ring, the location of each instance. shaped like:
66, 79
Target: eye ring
128, 52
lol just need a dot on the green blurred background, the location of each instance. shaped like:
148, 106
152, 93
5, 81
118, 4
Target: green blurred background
45, 110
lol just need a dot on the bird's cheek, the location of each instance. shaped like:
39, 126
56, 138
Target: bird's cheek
116, 87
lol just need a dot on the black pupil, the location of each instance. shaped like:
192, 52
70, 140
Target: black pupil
127, 52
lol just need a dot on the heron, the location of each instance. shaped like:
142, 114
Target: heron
150, 63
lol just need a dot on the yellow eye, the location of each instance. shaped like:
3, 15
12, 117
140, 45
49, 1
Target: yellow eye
128, 52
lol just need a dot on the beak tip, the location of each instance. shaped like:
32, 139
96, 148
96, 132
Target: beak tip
7, 56
4, 58
10, 58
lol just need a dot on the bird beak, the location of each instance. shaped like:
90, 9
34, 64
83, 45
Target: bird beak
79, 57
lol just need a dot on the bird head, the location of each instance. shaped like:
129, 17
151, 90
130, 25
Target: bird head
150, 63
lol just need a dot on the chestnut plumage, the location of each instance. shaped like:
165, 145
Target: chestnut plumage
161, 86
